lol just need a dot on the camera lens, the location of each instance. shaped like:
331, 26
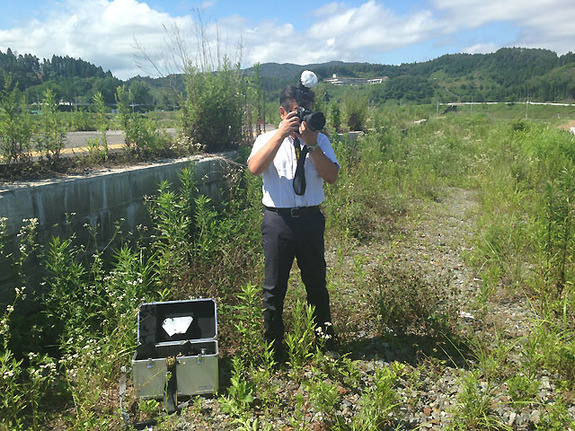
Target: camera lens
315, 120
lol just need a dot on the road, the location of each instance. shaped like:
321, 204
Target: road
82, 139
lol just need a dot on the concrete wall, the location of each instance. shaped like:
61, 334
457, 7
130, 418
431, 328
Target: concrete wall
99, 200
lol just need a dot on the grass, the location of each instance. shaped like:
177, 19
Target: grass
396, 303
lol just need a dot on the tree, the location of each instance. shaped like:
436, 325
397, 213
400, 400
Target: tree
140, 93
107, 88
15, 124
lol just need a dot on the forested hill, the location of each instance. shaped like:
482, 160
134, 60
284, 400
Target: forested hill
68, 77
510, 74
30, 70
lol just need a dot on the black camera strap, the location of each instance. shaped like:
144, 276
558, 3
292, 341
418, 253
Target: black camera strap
299, 177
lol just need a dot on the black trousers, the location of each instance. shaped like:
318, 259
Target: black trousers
284, 238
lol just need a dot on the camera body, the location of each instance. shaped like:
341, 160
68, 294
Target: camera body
314, 120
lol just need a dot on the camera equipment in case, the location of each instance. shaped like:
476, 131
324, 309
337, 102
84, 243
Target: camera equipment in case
177, 351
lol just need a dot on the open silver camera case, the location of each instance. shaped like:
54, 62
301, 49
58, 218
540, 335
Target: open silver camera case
177, 353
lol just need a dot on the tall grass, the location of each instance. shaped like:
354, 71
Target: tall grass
525, 243
528, 201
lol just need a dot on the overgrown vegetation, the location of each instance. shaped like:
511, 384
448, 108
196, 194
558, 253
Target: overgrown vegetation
15, 130
65, 375
212, 114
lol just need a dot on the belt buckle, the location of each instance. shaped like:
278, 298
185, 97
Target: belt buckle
294, 212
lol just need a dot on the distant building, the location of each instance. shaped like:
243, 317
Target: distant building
337, 80
377, 80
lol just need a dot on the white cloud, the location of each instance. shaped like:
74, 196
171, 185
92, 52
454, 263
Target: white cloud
370, 27
264, 44
543, 23
109, 32
477, 12
338, 33
481, 48
98, 31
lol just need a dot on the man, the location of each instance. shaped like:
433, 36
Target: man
293, 225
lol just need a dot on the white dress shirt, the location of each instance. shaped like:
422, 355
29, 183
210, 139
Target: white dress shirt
278, 189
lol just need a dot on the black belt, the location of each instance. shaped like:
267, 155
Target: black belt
295, 212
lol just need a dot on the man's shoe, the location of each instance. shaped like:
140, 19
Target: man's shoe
330, 348
332, 354
280, 354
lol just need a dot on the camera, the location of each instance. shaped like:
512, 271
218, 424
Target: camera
314, 120
304, 96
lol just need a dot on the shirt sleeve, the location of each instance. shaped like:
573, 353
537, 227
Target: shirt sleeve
259, 143
326, 148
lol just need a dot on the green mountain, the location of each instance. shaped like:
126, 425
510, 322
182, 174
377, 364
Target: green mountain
510, 74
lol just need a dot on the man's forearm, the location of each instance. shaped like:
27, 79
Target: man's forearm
324, 166
261, 160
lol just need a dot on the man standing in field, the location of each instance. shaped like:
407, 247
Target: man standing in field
294, 161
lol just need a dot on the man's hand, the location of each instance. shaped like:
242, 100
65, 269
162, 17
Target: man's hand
290, 125
327, 169
308, 135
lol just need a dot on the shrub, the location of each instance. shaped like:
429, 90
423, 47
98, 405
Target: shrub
51, 135
212, 112
334, 116
407, 302
140, 133
355, 110
15, 124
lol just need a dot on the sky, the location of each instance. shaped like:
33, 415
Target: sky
156, 37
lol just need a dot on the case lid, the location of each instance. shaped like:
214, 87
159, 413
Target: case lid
161, 322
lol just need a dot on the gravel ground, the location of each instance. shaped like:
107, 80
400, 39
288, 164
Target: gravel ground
434, 242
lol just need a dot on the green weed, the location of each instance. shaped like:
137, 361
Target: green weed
324, 396
379, 403
241, 392
476, 405
248, 322
300, 341
102, 123
522, 389
15, 124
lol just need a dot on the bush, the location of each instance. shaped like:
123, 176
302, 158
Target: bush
15, 124
213, 110
406, 302
355, 110
52, 135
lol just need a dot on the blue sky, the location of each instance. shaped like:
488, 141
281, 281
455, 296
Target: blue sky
154, 37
